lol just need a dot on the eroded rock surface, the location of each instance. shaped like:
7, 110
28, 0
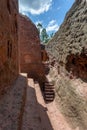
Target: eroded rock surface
68, 65
77, 65
8, 43
71, 37
71, 40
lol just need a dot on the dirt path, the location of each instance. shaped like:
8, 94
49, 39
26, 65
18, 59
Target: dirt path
56, 119
41, 116
34, 113
31, 119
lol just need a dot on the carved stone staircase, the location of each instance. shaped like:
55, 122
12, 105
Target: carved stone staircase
49, 93
48, 88
46, 66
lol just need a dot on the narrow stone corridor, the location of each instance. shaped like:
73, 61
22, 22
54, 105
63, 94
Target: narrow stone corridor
35, 116
39, 115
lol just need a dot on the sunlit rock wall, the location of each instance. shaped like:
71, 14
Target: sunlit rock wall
30, 51
8, 43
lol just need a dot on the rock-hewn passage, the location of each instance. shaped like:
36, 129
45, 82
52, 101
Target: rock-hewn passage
8, 43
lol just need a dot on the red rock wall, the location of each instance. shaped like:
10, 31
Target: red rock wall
8, 43
30, 51
77, 65
44, 55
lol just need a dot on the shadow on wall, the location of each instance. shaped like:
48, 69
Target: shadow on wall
77, 66
37, 75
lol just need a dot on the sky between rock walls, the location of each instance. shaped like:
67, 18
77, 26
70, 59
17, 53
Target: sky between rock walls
50, 13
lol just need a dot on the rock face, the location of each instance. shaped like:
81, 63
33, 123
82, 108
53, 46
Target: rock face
8, 43
71, 39
68, 57
30, 51
77, 64
44, 55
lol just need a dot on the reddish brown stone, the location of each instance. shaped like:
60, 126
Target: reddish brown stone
30, 51
8, 43
77, 64
44, 55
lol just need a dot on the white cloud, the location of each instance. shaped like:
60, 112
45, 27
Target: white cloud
34, 6
52, 26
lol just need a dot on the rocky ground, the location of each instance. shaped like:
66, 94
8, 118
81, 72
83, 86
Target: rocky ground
23, 108
40, 115
56, 115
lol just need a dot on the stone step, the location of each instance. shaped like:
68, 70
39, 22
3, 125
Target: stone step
49, 96
49, 90
49, 93
49, 99
49, 87
49, 84
44, 114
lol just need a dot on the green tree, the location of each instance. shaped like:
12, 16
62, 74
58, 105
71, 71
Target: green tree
44, 36
39, 27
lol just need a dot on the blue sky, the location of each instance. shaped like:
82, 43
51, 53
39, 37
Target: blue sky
50, 13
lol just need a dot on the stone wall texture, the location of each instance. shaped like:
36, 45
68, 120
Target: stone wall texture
8, 43
71, 39
30, 50
68, 52
72, 34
